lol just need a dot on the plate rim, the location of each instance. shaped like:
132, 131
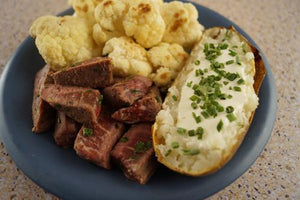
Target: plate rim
12, 147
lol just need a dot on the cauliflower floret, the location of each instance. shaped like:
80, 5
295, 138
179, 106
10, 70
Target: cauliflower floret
182, 24
63, 41
163, 76
168, 59
85, 8
128, 57
109, 15
144, 22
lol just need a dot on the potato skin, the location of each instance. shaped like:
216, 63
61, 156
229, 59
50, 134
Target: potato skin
260, 72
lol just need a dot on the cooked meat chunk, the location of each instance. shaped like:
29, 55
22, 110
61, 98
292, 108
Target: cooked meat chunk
43, 114
93, 73
144, 110
80, 104
126, 92
65, 131
134, 152
95, 144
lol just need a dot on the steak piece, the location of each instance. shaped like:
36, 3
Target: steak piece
93, 73
65, 131
135, 154
81, 104
144, 110
96, 144
43, 115
125, 93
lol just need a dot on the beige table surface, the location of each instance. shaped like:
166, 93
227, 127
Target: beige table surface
273, 24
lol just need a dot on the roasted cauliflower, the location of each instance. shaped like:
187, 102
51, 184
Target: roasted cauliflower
109, 15
144, 22
85, 8
63, 41
129, 58
167, 60
182, 24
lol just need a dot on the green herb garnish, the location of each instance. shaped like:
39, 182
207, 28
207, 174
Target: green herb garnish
237, 89
190, 152
124, 139
229, 62
174, 98
197, 62
175, 145
87, 132
168, 152
220, 125
100, 99
229, 109
231, 117
181, 131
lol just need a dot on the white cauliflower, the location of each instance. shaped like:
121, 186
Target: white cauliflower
168, 59
144, 22
63, 41
85, 8
182, 24
128, 57
109, 15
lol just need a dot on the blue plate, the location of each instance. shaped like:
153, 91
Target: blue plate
64, 174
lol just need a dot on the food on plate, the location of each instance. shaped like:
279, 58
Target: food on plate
109, 15
93, 73
129, 58
144, 22
63, 41
80, 104
143, 110
209, 108
182, 25
95, 143
145, 46
43, 115
167, 60
134, 153
125, 92
65, 130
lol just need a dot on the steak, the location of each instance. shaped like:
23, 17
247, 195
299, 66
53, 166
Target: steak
80, 104
93, 73
144, 110
66, 130
135, 154
43, 114
96, 144
126, 92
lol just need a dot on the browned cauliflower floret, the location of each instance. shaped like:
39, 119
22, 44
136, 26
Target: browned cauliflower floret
182, 24
128, 57
168, 59
109, 15
144, 22
85, 8
63, 41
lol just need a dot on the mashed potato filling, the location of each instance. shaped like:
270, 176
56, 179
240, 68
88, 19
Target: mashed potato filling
208, 108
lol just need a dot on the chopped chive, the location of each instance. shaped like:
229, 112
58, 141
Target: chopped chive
231, 76
191, 132
232, 53
189, 84
197, 62
197, 118
194, 98
231, 117
100, 98
229, 109
237, 89
194, 105
229, 96
205, 114
223, 46
238, 61
220, 125
220, 108
241, 81
229, 62
190, 152
244, 47
181, 131
174, 98
225, 82
175, 145
200, 132
87, 132
205, 70
234, 46
124, 139
168, 152
142, 147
